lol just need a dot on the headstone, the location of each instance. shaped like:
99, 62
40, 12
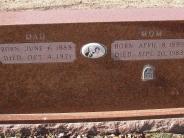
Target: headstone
96, 70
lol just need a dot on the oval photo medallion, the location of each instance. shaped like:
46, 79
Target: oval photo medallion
93, 50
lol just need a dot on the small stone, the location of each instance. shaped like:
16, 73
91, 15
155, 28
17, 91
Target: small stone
61, 135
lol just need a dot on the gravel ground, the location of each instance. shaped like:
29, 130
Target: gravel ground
86, 4
158, 128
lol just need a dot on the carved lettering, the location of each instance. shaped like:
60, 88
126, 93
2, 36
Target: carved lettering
151, 33
37, 52
35, 36
148, 49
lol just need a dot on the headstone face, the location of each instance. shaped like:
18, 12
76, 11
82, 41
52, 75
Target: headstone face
130, 66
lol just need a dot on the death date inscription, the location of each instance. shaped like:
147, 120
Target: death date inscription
37, 52
148, 49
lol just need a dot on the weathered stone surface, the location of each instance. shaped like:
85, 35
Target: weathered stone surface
86, 4
90, 129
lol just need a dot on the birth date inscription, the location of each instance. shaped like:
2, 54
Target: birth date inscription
148, 49
37, 52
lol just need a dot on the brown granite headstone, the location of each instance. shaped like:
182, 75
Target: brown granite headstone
42, 69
